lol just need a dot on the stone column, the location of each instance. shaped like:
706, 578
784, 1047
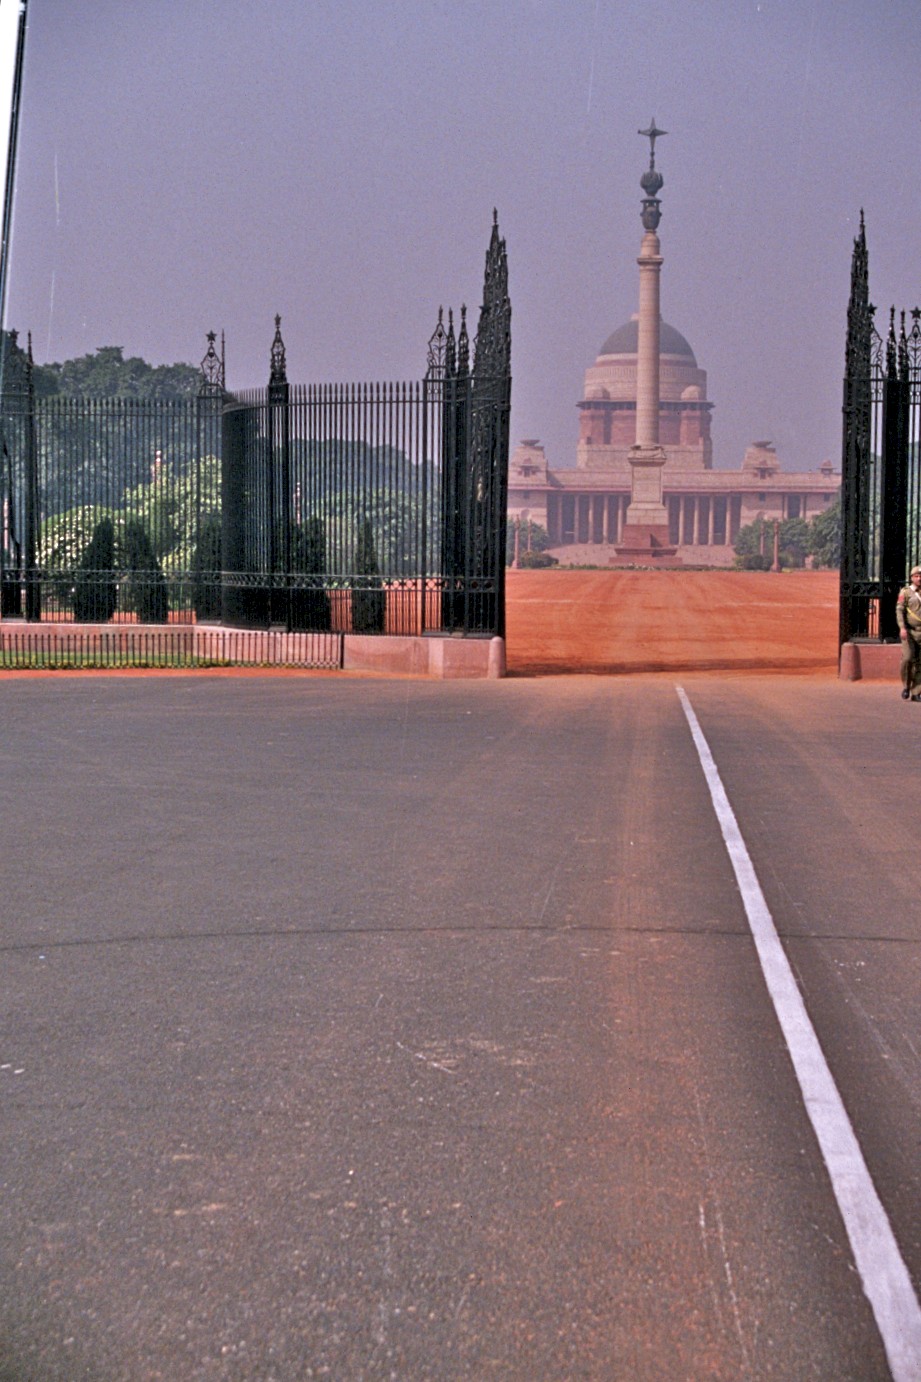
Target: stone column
647, 352
646, 534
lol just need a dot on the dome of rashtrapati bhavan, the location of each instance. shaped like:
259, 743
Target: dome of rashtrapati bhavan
585, 508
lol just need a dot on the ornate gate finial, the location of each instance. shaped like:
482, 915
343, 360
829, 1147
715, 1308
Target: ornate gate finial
859, 309
492, 352
278, 373
463, 344
450, 348
212, 368
437, 340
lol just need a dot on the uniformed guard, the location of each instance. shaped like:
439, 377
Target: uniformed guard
908, 614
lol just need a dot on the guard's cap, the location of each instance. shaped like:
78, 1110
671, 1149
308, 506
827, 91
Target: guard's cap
915, 571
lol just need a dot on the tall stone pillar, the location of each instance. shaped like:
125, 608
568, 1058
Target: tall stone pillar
645, 535
647, 353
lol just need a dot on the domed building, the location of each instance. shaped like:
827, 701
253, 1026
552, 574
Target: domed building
656, 459
607, 428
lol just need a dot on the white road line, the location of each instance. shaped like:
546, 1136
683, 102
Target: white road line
882, 1271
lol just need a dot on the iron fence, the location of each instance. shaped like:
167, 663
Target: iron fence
107, 504
881, 463
68, 646
331, 498
357, 508
351, 507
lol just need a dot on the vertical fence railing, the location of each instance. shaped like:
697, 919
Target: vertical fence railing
881, 462
331, 503
369, 508
112, 493
893, 507
913, 438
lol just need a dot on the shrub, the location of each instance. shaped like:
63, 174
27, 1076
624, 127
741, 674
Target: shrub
536, 560
95, 588
309, 607
145, 589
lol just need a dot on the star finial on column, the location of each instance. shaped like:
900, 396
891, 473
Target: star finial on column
652, 134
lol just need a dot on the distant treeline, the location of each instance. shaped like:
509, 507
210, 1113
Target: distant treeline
103, 374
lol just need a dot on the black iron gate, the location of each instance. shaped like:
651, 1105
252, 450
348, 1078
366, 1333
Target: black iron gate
881, 463
375, 508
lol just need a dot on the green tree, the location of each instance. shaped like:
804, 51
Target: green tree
532, 538
825, 536
206, 569
174, 505
15, 364
754, 546
65, 536
95, 588
794, 542
107, 374
369, 599
145, 590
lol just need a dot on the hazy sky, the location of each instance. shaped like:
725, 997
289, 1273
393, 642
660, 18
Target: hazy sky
194, 164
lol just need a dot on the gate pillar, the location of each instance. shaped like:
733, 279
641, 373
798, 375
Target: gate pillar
279, 484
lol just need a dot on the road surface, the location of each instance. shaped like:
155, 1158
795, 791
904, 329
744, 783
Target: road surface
394, 1030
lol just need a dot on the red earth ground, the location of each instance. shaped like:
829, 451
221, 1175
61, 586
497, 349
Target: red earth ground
650, 621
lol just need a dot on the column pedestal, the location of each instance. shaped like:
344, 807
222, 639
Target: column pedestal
645, 535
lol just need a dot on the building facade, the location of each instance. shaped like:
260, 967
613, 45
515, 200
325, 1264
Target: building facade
583, 507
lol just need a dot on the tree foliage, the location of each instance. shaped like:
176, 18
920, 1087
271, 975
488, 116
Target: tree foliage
754, 546
107, 374
15, 366
103, 373
825, 536
174, 506
65, 536
794, 542
532, 539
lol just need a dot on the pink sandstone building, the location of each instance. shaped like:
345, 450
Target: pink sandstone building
643, 488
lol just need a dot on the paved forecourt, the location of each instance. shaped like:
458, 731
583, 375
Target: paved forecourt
374, 1029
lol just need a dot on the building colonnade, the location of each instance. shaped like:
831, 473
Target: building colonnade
695, 520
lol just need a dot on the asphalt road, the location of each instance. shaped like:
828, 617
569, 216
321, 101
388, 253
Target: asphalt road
398, 1030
